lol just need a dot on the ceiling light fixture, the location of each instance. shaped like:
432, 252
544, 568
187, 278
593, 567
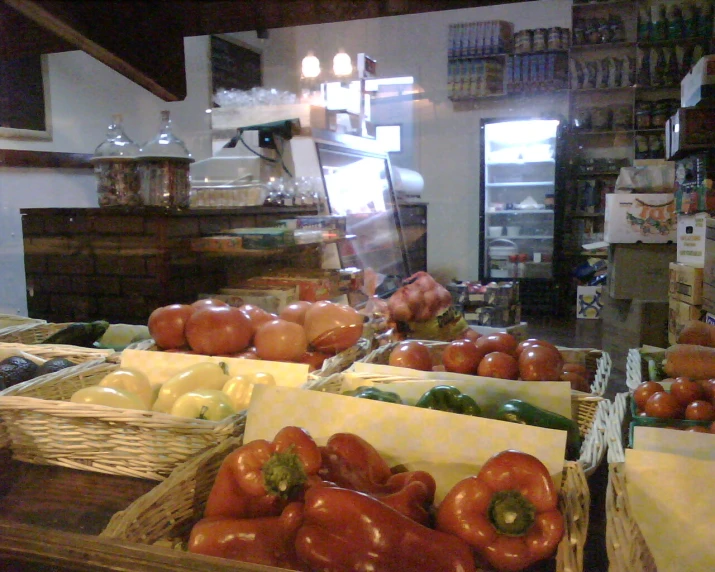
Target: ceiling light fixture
342, 64
310, 66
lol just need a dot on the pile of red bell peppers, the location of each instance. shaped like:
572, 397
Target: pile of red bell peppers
293, 504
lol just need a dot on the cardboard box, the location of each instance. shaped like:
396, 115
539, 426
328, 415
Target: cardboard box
679, 313
691, 239
627, 324
689, 130
709, 267
686, 283
647, 218
640, 271
698, 85
588, 302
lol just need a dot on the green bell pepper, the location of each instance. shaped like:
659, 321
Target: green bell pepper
449, 398
518, 411
375, 394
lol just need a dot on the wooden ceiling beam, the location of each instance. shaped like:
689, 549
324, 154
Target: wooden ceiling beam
143, 41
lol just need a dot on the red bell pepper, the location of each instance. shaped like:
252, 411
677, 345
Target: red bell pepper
345, 530
260, 478
350, 462
268, 540
508, 512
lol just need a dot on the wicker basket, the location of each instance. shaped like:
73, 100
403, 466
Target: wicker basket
591, 412
31, 333
597, 362
74, 354
626, 547
166, 514
13, 320
47, 429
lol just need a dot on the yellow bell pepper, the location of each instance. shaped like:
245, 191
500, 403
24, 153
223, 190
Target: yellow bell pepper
131, 380
239, 388
109, 396
208, 404
202, 375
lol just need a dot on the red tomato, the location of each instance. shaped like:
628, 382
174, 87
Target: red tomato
532, 342
499, 342
708, 386
700, 410
295, 312
644, 391
248, 353
462, 356
206, 302
577, 381
413, 354
697, 429
499, 364
256, 315
280, 340
469, 334
686, 390
540, 363
314, 359
166, 325
663, 405
332, 327
218, 330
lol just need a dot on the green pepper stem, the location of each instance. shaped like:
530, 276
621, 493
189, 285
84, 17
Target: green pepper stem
282, 473
511, 513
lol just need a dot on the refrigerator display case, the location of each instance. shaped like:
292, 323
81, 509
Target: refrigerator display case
358, 184
517, 202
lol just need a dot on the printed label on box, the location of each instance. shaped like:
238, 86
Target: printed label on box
589, 302
649, 217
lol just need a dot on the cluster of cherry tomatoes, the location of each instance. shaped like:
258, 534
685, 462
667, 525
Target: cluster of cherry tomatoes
497, 355
687, 399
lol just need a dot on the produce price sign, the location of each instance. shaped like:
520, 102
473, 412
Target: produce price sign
488, 392
671, 497
448, 445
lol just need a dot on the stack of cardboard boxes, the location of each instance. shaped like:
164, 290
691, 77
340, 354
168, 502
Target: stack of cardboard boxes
690, 143
641, 231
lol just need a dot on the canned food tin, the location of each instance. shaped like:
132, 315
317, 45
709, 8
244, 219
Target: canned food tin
554, 39
540, 40
523, 41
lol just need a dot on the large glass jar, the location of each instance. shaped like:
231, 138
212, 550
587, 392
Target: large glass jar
115, 168
163, 165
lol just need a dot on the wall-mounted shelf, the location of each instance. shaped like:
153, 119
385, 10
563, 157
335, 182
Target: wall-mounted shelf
602, 46
521, 211
531, 184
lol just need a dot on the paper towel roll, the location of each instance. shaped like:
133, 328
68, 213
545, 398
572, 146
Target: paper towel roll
407, 181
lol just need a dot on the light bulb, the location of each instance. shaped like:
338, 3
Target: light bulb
342, 64
310, 66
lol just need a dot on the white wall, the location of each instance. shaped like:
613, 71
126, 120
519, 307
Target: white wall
84, 93
446, 143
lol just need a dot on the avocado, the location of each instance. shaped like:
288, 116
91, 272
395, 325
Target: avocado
53, 365
16, 369
82, 334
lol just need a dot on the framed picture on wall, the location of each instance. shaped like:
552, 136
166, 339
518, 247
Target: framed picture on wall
24, 98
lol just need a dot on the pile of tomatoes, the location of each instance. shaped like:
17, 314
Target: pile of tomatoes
306, 332
497, 355
687, 399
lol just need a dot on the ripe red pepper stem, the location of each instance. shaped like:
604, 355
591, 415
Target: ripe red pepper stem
283, 472
511, 513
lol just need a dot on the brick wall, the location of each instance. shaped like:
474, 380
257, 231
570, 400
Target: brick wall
119, 265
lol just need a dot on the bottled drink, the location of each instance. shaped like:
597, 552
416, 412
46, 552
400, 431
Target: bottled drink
164, 168
643, 78
115, 167
644, 24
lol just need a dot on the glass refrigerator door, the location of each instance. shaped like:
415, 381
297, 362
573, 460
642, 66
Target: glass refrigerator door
358, 186
518, 198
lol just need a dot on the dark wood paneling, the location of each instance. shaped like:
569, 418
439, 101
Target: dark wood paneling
19, 158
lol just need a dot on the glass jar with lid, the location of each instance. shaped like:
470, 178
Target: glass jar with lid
115, 168
163, 164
